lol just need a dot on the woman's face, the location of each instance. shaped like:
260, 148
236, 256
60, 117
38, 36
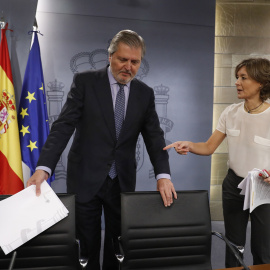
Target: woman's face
247, 88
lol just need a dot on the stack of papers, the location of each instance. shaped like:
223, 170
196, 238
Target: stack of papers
256, 191
24, 215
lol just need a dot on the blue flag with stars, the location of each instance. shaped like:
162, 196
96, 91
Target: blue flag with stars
32, 115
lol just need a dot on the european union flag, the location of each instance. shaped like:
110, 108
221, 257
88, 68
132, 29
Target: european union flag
32, 115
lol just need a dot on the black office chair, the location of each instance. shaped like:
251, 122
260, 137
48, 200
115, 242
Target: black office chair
159, 238
53, 249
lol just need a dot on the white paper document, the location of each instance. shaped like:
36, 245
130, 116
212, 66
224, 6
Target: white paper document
24, 215
256, 191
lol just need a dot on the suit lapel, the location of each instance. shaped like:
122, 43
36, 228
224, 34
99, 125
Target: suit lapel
132, 107
104, 96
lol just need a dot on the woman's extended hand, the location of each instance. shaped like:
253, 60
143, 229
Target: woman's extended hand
181, 147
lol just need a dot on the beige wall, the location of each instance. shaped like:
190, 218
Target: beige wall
242, 31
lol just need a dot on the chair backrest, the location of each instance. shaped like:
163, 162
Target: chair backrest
53, 249
156, 237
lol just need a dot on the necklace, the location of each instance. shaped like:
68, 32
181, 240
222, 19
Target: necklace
254, 109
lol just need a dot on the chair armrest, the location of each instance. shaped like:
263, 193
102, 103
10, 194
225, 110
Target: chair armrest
12, 261
118, 251
234, 248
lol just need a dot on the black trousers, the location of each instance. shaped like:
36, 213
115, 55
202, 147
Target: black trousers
236, 220
88, 225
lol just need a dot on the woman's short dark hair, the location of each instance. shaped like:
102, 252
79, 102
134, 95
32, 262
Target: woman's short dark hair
130, 38
259, 70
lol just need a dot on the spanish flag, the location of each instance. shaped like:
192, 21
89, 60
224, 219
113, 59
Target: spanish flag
11, 179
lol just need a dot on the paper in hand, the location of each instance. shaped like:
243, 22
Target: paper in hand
255, 190
24, 215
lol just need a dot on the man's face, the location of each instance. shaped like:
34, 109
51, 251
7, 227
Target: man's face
125, 63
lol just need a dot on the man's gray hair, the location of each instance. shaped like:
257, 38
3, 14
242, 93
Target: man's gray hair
130, 38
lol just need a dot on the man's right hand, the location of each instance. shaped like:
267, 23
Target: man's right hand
36, 179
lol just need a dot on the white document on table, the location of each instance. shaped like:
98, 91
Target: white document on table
24, 215
255, 190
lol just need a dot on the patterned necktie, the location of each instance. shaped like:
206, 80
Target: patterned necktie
119, 112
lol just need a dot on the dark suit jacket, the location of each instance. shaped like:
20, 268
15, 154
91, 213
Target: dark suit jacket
89, 111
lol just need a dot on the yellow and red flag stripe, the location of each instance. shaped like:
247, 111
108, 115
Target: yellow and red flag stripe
11, 177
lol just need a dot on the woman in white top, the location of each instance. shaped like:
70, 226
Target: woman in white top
247, 127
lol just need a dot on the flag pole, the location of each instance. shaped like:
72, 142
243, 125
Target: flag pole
2, 21
35, 29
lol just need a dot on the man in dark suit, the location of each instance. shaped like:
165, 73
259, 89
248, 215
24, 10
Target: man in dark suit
101, 161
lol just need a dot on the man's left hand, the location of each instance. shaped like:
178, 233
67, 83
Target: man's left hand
167, 191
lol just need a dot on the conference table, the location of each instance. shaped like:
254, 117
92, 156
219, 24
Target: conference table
252, 267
